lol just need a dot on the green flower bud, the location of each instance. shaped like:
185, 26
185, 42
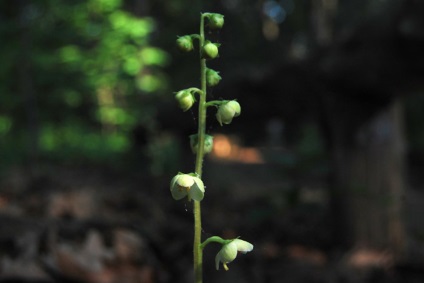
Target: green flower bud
212, 77
216, 21
208, 146
186, 185
210, 50
185, 99
229, 252
185, 43
227, 111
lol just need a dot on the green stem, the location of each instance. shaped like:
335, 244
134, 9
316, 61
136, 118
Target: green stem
216, 102
215, 239
197, 250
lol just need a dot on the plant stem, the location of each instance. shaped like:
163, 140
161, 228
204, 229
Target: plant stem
197, 251
215, 239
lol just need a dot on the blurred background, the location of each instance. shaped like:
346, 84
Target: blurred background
322, 172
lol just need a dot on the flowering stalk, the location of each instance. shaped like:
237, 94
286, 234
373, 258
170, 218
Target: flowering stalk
190, 185
197, 251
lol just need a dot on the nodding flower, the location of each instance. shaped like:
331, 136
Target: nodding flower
187, 185
227, 111
229, 252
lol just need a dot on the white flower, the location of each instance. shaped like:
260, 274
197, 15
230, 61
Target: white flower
229, 252
183, 185
227, 111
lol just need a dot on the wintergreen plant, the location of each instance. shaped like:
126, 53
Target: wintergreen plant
190, 185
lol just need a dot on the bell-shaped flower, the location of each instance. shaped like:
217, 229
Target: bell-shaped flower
227, 111
186, 185
229, 252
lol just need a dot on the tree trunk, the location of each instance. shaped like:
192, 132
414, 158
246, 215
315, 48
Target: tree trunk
369, 181
376, 181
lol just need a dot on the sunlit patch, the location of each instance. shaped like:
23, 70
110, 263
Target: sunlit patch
270, 30
365, 257
148, 83
222, 146
154, 56
274, 11
226, 148
70, 53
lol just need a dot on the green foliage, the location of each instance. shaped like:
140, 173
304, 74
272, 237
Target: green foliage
86, 72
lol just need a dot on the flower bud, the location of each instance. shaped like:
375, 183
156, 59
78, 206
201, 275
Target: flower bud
216, 21
227, 111
212, 77
185, 43
185, 99
208, 145
210, 50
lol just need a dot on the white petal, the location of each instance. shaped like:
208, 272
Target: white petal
199, 183
228, 252
196, 194
177, 191
236, 106
173, 181
243, 246
185, 181
197, 191
217, 261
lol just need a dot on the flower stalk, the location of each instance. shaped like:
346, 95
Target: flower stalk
190, 185
201, 131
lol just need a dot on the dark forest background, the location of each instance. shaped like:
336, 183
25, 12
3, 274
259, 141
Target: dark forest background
322, 172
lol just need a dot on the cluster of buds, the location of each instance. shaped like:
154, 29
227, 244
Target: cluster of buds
209, 50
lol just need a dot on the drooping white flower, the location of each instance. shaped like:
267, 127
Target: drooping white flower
183, 185
227, 111
229, 252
